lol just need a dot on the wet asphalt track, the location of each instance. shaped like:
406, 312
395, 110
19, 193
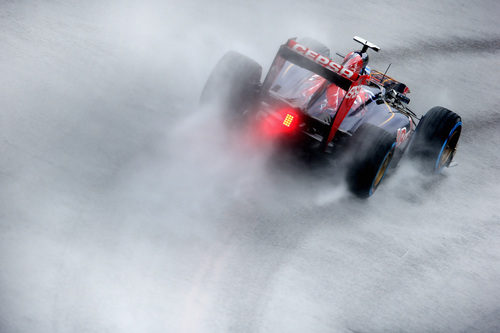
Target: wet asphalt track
123, 208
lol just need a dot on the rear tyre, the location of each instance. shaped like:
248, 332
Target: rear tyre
233, 85
436, 138
372, 150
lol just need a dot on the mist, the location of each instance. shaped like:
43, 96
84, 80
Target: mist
125, 207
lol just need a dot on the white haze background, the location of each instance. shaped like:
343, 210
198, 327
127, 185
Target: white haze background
123, 208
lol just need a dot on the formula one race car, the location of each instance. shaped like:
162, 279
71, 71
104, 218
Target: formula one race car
313, 103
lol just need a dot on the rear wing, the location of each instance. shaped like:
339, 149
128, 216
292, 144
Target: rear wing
342, 77
304, 57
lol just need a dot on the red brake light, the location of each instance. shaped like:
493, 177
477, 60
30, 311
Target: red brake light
278, 122
288, 120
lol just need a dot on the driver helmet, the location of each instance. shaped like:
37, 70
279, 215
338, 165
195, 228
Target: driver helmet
355, 61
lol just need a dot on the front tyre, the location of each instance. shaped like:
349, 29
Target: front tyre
436, 138
372, 151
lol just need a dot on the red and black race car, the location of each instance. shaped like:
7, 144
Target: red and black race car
308, 100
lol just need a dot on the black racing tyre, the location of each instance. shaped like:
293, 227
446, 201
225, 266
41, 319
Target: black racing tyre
435, 139
233, 85
372, 152
314, 45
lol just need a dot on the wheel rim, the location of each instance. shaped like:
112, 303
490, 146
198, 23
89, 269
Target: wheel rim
447, 153
381, 170
448, 149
